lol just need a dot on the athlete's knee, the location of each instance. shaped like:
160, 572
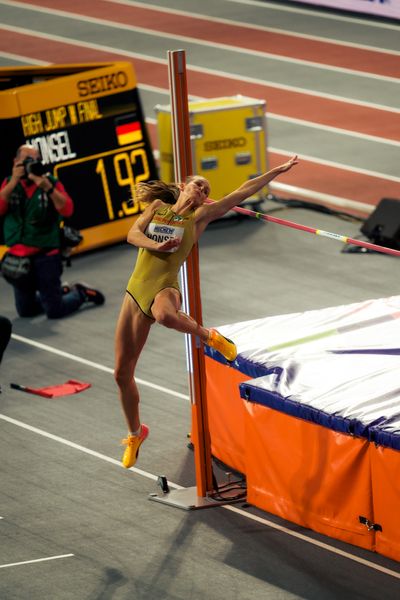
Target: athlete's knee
165, 317
123, 374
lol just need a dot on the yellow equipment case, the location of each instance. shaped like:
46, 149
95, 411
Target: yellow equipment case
228, 142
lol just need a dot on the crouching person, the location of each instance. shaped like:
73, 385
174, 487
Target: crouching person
33, 203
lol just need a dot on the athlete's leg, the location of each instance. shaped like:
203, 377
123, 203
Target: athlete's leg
166, 311
131, 334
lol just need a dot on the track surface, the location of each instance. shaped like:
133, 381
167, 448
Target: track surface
75, 525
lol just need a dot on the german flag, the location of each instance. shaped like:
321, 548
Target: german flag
129, 133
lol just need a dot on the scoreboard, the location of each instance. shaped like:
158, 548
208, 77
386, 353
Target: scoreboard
87, 122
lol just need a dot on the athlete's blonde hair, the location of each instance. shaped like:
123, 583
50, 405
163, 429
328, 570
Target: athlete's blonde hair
147, 191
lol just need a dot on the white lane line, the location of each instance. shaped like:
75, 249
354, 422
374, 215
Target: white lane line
317, 160
336, 165
274, 116
306, 193
27, 59
290, 88
311, 194
190, 67
89, 363
231, 22
238, 511
61, 440
337, 130
194, 40
322, 545
36, 560
321, 197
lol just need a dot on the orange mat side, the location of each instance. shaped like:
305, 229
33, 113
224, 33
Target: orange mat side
226, 413
385, 469
308, 474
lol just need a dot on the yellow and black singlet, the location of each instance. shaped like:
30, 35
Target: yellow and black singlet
155, 271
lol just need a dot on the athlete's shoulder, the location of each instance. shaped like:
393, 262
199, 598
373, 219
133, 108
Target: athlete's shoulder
156, 204
152, 207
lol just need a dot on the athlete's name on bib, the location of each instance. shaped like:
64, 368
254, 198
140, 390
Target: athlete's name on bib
162, 233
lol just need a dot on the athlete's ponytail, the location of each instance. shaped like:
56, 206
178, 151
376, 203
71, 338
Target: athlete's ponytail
147, 191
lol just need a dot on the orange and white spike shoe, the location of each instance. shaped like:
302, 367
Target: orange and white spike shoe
133, 443
222, 344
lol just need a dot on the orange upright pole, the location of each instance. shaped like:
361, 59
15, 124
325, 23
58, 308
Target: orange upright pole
190, 277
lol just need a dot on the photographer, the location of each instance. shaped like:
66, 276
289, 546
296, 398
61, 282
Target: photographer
34, 203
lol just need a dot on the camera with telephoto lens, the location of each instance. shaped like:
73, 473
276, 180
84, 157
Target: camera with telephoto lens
36, 167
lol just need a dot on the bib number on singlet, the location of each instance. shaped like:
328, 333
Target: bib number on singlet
159, 232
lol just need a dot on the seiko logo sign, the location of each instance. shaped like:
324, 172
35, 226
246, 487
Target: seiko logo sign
238, 142
105, 83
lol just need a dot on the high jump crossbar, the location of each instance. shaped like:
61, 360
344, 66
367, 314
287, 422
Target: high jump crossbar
335, 236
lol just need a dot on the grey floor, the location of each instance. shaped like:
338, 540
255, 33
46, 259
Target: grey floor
63, 493
68, 494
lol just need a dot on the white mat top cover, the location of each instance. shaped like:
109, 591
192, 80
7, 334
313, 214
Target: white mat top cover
342, 362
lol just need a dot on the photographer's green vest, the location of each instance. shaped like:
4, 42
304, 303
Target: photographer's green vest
32, 221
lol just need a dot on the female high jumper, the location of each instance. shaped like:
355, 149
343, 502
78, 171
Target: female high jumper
165, 233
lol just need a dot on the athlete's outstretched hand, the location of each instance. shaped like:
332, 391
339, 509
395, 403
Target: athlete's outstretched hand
288, 165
